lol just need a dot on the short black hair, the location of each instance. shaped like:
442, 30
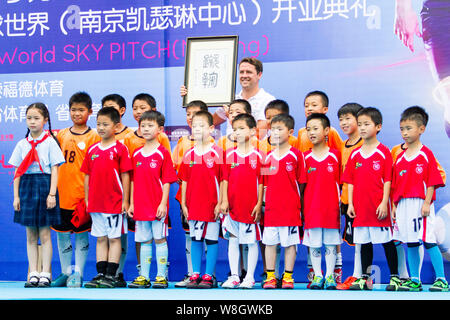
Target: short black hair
82, 98
415, 113
322, 95
349, 108
111, 113
152, 115
279, 105
151, 101
197, 103
373, 113
245, 103
117, 98
286, 119
320, 116
206, 115
248, 118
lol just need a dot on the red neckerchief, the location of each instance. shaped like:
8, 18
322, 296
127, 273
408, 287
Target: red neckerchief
31, 157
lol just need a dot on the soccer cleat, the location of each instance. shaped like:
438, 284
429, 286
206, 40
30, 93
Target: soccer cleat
440, 285
160, 283
310, 277
231, 283
346, 284
120, 281
317, 283
182, 283
330, 282
361, 284
61, 281
394, 284
94, 283
193, 281
270, 283
75, 280
287, 283
338, 275
207, 282
411, 285
108, 282
140, 283
247, 284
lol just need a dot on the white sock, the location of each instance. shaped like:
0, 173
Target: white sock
357, 268
402, 267
65, 252
233, 255
330, 259
316, 260
81, 251
188, 253
162, 253
123, 255
252, 260
146, 259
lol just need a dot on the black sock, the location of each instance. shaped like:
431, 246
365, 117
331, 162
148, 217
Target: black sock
101, 267
366, 258
112, 269
391, 256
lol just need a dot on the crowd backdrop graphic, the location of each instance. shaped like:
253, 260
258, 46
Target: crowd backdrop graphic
50, 49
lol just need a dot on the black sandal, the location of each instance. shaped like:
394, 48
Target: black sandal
33, 280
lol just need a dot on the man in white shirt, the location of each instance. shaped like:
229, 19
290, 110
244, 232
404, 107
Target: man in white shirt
250, 72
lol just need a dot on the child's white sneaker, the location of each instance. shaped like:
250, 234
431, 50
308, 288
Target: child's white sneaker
247, 283
232, 282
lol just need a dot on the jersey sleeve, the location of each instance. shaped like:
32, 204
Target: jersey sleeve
347, 175
125, 163
335, 140
56, 156
164, 141
86, 166
168, 172
301, 169
183, 171
388, 167
433, 178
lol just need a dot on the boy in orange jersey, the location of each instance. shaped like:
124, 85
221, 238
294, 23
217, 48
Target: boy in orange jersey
317, 102
118, 102
134, 140
74, 142
236, 107
184, 144
273, 108
347, 115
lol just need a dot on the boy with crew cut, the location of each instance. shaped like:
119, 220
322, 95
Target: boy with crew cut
347, 115
74, 142
242, 201
416, 178
284, 174
106, 187
201, 173
153, 173
317, 102
118, 102
369, 174
185, 143
321, 215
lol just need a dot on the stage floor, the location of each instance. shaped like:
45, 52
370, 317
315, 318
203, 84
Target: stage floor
14, 290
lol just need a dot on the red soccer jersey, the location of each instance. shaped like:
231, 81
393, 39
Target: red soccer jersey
243, 173
203, 174
368, 173
150, 173
104, 166
321, 197
412, 176
282, 177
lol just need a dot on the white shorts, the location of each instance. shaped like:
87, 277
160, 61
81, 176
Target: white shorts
149, 230
285, 236
410, 226
202, 230
317, 237
245, 232
373, 235
108, 224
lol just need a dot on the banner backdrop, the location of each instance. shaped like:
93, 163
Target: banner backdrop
50, 49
